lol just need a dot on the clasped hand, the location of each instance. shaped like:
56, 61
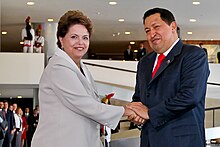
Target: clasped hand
136, 112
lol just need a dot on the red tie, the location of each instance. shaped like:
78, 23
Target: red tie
159, 61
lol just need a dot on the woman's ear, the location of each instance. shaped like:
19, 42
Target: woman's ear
61, 41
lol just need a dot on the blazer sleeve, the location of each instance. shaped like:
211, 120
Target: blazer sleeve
72, 93
193, 81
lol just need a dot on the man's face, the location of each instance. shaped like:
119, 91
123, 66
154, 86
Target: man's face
15, 106
26, 110
159, 34
6, 105
141, 45
1, 105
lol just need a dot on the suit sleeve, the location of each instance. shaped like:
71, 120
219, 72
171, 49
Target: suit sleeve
73, 95
190, 94
136, 96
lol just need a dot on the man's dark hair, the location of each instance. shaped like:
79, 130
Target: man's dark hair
165, 15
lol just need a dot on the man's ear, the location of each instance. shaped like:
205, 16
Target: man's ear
61, 41
174, 26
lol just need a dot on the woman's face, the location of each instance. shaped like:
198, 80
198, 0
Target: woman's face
76, 42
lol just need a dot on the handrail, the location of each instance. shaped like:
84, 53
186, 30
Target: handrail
213, 114
212, 108
109, 67
210, 83
126, 70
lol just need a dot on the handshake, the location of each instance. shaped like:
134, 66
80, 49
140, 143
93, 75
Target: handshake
136, 112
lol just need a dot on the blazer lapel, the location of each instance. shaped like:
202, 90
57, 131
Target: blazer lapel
86, 80
169, 59
89, 82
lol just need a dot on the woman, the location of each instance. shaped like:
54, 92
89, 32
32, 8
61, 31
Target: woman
18, 126
24, 131
71, 111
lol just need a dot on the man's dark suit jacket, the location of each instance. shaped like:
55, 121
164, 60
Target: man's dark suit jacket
175, 97
11, 120
4, 123
128, 56
141, 53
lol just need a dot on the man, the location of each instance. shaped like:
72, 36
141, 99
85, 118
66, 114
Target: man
172, 98
141, 51
15, 106
27, 35
201, 46
32, 125
11, 126
218, 57
1, 105
26, 113
39, 41
128, 54
3, 126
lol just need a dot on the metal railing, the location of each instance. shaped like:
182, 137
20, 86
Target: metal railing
213, 109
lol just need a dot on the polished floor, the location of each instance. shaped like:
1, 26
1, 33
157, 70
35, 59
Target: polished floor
130, 138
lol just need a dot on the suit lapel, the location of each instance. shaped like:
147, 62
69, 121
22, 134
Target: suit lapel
169, 59
150, 62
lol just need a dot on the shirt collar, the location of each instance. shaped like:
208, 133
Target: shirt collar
167, 52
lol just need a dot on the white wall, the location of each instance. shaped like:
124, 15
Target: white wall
26, 69
21, 68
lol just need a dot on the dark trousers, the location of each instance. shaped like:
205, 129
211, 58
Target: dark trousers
8, 139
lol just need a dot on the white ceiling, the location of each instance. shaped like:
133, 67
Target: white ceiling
14, 12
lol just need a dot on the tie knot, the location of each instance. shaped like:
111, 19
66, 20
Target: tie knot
159, 61
161, 57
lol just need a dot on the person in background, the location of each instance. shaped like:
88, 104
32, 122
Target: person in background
32, 125
27, 36
1, 105
171, 86
18, 126
15, 106
218, 57
70, 105
39, 41
3, 126
200, 45
11, 125
26, 113
24, 130
11, 108
128, 54
141, 51
37, 108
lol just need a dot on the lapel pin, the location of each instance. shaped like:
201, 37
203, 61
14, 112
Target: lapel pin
168, 61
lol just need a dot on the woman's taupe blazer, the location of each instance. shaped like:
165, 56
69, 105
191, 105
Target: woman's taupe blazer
70, 108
